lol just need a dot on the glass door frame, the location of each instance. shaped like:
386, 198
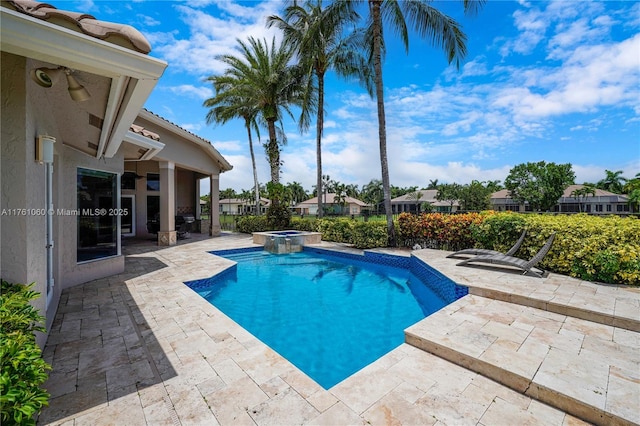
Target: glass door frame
132, 215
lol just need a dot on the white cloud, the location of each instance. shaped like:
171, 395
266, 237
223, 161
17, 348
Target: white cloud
192, 91
225, 147
533, 26
209, 36
148, 20
192, 127
457, 129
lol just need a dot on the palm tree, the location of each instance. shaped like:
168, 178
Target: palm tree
352, 190
246, 195
372, 193
429, 23
613, 181
433, 184
416, 196
582, 193
340, 198
264, 73
298, 194
230, 102
317, 35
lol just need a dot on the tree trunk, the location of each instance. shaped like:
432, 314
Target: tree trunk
255, 170
319, 129
382, 128
273, 152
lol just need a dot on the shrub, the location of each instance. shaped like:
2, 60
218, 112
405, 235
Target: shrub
23, 369
336, 230
300, 224
605, 249
437, 230
369, 235
250, 224
498, 231
278, 216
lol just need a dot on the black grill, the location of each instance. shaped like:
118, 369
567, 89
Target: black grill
182, 223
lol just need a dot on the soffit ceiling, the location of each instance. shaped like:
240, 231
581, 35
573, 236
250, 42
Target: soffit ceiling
79, 123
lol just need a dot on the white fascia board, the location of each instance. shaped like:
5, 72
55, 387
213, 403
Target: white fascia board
151, 145
24, 35
205, 146
116, 95
132, 105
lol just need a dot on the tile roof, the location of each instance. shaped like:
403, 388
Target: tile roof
171, 123
120, 34
144, 132
427, 195
568, 193
331, 199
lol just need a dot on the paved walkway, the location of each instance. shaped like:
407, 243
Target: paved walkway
142, 348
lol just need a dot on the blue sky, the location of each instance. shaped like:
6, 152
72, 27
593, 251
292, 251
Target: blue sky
554, 81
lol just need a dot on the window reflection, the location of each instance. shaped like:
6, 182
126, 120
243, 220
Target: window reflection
97, 214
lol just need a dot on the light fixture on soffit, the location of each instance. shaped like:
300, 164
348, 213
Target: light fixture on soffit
46, 77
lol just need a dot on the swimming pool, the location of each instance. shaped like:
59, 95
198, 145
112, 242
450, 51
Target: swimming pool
329, 314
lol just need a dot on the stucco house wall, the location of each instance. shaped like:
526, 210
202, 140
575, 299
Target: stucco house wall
22, 249
185, 192
25, 115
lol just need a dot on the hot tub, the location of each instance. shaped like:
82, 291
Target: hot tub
289, 241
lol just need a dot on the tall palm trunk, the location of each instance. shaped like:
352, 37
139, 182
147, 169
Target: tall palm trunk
273, 152
253, 164
319, 129
382, 127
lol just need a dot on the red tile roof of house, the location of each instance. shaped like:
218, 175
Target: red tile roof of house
120, 34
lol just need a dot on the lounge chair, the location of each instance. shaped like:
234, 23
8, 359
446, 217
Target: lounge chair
524, 265
488, 252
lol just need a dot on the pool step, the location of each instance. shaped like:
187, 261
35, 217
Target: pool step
586, 369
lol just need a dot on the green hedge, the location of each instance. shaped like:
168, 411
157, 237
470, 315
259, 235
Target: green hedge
437, 230
250, 224
23, 370
340, 230
605, 249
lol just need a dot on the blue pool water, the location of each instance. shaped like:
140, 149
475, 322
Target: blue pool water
328, 315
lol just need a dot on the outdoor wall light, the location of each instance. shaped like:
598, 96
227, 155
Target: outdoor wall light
44, 149
45, 77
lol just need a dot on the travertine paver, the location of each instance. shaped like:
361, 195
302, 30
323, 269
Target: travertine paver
573, 365
142, 348
607, 304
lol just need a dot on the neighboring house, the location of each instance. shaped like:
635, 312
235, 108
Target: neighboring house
408, 202
237, 206
331, 204
602, 202
72, 90
502, 201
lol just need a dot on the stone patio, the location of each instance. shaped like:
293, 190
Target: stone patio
142, 348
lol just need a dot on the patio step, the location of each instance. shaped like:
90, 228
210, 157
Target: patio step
584, 368
627, 315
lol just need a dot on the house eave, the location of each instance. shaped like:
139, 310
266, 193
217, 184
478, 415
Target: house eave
133, 74
152, 146
222, 163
